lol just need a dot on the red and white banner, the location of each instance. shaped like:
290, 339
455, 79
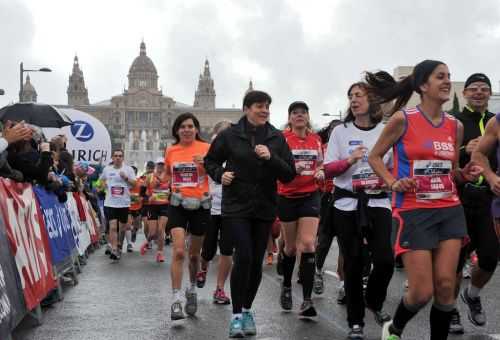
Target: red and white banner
28, 239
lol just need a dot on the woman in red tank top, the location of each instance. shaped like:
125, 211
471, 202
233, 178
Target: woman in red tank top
299, 207
428, 216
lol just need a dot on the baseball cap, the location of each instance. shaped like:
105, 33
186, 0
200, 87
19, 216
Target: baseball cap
298, 104
473, 78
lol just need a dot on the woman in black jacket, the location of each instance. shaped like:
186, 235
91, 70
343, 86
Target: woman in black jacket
256, 156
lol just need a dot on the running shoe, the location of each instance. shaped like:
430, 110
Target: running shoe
341, 297
248, 324
130, 248
144, 248
319, 283
456, 324
191, 303
220, 297
381, 317
356, 332
269, 259
201, 278
160, 257
115, 256
236, 329
286, 298
108, 250
279, 264
307, 309
476, 314
386, 333
176, 312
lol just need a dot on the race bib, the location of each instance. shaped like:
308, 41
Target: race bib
306, 159
185, 175
364, 179
117, 191
433, 179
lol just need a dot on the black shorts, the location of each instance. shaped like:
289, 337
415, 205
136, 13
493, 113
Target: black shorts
145, 211
120, 214
156, 211
195, 222
134, 213
291, 209
423, 229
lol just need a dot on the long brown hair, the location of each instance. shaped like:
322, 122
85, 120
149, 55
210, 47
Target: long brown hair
374, 109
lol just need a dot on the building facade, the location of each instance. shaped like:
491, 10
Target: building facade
140, 119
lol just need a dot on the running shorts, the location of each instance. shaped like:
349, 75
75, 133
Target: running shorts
119, 214
195, 222
155, 211
291, 209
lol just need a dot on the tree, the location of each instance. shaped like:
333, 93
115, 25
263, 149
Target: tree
456, 105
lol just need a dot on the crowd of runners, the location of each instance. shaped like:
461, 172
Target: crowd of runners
406, 187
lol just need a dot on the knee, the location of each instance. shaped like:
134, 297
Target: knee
307, 246
445, 288
420, 295
290, 250
178, 254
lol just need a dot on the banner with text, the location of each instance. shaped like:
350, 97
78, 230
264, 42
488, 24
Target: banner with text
57, 224
28, 240
80, 230
12, 308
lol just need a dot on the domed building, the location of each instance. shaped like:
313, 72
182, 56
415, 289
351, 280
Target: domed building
140, 119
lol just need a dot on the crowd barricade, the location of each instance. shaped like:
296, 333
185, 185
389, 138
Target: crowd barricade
41, 243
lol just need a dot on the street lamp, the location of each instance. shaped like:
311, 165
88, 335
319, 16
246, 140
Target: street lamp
337, 116
22, 70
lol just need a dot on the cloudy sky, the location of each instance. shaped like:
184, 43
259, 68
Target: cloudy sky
295, 50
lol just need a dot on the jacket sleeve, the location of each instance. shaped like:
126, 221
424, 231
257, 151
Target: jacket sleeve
283, 164
215, 157
43, 166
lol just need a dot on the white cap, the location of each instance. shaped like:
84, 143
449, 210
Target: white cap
160, 160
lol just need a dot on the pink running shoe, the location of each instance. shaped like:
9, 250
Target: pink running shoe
144, 248
220, 297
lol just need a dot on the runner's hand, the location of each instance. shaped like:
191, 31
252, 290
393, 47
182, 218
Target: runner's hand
472, 145
299, 167
227, 178
262, 152
319, 176
403, 185
495, 185
123, 175
357, 154
472, 171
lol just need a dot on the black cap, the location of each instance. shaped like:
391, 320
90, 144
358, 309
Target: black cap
150, 164
477, 77
297, 104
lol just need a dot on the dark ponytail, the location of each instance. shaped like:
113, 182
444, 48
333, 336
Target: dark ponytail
383, 85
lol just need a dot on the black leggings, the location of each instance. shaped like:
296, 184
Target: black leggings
326, 230
249, 237
380, 248
212, 235
483, 238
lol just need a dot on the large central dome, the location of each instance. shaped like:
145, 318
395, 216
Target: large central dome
142, 73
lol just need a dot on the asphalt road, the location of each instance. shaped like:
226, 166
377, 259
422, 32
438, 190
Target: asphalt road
131, 300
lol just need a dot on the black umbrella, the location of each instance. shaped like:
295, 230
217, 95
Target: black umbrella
41, 115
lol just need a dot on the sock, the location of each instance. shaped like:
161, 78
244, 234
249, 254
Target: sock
288, 264
176, 293
237, 316
473, 291
246, 310
404, 313
440, 321
307, 268
128, 236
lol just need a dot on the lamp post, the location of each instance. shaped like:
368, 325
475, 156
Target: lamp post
337, 116
22, 70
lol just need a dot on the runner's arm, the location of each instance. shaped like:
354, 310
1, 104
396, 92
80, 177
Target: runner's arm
486, 145
393, 130
215, 157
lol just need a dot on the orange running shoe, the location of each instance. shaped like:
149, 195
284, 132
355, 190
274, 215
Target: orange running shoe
269, 259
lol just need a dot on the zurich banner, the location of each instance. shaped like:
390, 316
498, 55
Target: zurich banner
58, 224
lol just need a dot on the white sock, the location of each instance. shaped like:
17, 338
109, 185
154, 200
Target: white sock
177, 295
473, 291
236, 316
245, 310
128, 236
